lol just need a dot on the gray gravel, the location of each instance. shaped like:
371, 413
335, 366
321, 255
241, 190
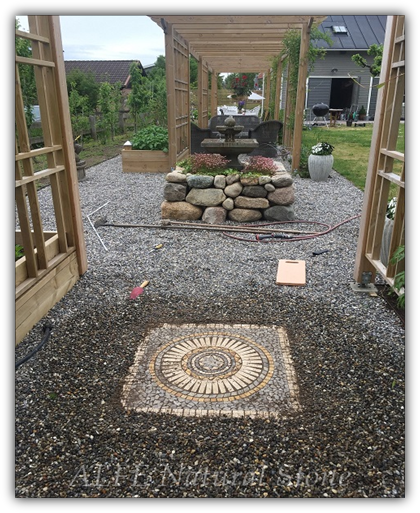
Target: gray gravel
73, 437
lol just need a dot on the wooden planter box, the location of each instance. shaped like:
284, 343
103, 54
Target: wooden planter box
51, 248
144, 161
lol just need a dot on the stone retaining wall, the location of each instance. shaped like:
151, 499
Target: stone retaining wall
234, 197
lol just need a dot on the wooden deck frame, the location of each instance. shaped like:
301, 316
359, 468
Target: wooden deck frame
53, 261
382, 159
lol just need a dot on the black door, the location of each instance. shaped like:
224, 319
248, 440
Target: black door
341, 93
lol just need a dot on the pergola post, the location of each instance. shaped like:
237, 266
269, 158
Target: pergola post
287, 135
170, 91
300, 94
277, 97
203, 93
214, 98
267, 95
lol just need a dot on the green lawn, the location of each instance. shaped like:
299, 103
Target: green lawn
351, 149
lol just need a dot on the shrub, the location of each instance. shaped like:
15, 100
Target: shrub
303, 170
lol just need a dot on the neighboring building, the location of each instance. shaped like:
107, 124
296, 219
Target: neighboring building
336, 80
149, 67
106, 71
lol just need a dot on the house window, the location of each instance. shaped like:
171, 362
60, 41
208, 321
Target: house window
339, 29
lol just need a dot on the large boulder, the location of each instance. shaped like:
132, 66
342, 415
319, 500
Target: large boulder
206, 197
282, 180
180, 210
174, 191
280, 213
244, 215
200, 181
282, 196
214, 215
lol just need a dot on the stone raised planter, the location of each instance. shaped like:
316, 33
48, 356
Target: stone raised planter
144, 161
234, 197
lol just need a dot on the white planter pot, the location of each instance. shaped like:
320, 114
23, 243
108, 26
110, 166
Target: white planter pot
386, 240
320, 167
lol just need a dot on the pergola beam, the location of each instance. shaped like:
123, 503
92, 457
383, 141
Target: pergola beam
215, 38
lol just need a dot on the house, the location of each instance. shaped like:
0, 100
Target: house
338, 81
106, 71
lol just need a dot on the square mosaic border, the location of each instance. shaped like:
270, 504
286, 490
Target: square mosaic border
145, 389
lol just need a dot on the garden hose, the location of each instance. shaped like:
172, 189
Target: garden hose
262, 233
47, 331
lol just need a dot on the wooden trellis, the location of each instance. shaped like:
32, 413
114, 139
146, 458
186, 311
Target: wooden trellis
386, 165
178, 91
53, 260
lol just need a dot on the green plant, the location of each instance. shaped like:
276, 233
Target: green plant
18, 251
362, 111
399, 280
186, 165
322, 148
152, 137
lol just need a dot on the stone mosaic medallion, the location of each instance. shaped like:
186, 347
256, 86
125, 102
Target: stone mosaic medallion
212, 370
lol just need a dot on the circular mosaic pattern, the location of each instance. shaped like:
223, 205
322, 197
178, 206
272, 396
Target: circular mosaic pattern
212, 367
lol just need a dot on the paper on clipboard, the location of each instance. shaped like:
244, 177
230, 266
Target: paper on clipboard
291, 272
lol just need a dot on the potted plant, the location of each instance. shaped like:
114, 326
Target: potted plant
388, 228
362, 113
147, 152
320, 161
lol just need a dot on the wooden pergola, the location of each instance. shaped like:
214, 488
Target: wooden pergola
55, 259
226, 44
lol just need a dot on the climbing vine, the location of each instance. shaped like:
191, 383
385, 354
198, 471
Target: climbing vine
290, 57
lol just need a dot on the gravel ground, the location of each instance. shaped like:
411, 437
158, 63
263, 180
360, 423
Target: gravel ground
74, 438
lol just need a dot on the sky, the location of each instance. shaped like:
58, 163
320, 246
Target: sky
109, 37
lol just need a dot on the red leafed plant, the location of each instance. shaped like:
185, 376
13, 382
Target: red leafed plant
259, 164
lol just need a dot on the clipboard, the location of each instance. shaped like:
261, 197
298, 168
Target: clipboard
291, 272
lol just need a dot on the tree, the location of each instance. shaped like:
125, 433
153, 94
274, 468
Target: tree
86, 85
138, 97
376, 52
147, 99
109, 105
79, 112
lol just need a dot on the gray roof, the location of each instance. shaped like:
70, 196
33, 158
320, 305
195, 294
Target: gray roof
105, 71
362, 31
